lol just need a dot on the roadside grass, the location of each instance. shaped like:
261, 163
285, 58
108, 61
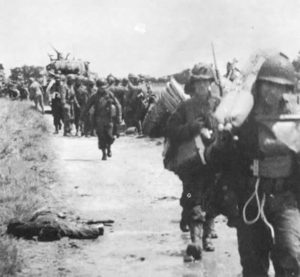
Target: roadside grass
25, 172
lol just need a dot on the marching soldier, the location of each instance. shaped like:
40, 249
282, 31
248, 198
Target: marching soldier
263, 166
69, 101
89, 121
135, 108
194, 117
106, 108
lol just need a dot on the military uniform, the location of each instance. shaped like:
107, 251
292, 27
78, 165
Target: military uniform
135, 110
265, 172
69, 102
119, 92
48, 226
187, 121
89, 120
106, 107
81, 95
53, 91
57, 112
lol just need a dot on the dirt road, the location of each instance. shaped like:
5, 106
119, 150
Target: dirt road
134, 190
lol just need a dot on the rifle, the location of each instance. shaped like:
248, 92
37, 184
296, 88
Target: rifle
282, 117
217, 71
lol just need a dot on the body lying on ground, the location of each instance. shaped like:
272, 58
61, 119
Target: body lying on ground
49, 226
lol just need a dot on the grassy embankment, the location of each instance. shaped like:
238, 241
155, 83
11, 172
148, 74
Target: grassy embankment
25, 172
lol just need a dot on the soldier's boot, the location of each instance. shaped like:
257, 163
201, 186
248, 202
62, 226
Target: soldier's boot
56, 130
194, 249
109, 154
208, 227
104, 156
139, 128
184, 225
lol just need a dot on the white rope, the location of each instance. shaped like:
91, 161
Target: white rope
260, 209
264, 218
254, 194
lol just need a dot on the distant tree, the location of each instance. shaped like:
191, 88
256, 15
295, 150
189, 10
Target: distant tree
25, 72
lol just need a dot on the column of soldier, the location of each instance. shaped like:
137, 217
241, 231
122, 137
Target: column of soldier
77, 109
98, 107
248, 169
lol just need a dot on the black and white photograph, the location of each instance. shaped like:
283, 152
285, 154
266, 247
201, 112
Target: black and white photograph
150, 138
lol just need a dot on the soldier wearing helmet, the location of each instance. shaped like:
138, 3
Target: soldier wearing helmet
81, 96
110, 79
69, 102
193, 119
135, 106
106, 108
88, 119
263, 169
134, 79
119, 92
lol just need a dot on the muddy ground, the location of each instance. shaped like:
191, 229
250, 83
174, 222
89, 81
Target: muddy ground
133, 189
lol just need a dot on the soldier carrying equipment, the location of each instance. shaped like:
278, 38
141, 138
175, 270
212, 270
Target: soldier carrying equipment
189, 124
263, 169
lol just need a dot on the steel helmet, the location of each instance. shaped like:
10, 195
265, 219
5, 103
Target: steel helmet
71, 77
101, 82
132, 76
110, 77
91, 82
202, 71
277, 69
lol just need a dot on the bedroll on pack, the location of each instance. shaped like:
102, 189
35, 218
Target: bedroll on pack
168, 99
173, 96
153, 121
235, 108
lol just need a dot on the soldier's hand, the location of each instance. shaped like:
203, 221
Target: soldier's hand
197, 125
206, 133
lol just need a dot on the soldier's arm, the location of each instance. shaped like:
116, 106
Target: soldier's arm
178, 129
118, 106
88, 106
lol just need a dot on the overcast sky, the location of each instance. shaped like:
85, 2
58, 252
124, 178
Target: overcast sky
154, 37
